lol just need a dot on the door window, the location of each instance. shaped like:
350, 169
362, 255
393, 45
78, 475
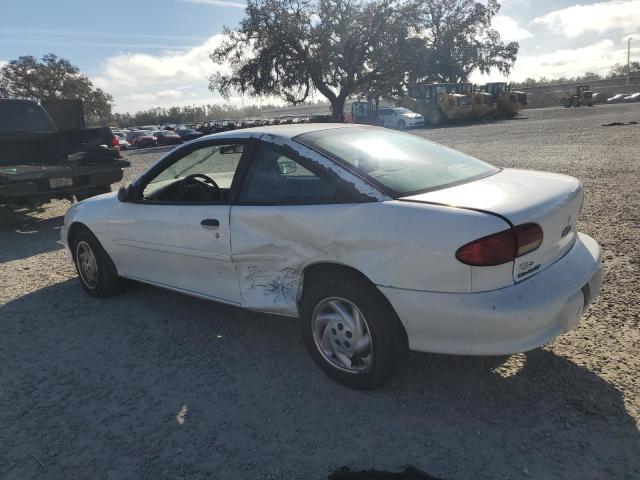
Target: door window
274, 178
202, 175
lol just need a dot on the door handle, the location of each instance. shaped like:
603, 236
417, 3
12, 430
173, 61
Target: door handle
210, 223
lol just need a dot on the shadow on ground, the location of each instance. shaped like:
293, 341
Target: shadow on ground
153, 384
23, 234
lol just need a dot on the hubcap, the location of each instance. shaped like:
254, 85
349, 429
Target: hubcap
341, 334
87, 265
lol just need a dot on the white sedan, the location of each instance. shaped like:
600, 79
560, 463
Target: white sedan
400, 117
380, 241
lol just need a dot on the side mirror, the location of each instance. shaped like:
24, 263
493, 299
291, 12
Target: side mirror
126, 194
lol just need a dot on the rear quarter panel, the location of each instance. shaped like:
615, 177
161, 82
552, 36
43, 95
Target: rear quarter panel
394, 243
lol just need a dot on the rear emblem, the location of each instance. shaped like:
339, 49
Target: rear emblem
566, 231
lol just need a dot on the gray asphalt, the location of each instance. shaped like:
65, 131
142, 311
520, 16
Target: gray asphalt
152, 384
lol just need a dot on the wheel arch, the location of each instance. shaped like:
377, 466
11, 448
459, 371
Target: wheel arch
73, 230
316, 269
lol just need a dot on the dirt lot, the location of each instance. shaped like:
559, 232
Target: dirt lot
153, 384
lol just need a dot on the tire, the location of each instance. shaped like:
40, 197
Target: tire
99, 279
566, 102
435, 117
402, 124
383, 350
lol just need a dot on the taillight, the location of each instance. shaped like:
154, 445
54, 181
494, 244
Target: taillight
501, 247
115, 142
528, 237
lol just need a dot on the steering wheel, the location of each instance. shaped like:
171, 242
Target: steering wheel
201, 185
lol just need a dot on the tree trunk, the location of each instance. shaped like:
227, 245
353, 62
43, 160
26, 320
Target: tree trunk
337, 109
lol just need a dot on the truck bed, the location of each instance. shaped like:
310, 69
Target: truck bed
22, 182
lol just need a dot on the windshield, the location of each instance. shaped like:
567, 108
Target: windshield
402, 110
403, 163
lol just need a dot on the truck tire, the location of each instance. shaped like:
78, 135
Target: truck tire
435, 117
350, 331
93, 192
566, 102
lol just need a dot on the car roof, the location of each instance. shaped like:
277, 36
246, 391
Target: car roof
284, 131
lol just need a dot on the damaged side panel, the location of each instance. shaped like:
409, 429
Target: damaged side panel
394, 244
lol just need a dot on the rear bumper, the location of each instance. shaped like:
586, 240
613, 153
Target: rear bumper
33, 182
512, 319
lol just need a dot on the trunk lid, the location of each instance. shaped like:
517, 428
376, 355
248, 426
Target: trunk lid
551, 200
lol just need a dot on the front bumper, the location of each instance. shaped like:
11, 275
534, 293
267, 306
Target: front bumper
513, 319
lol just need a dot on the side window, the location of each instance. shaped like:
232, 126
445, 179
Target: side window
274, 178
217, 162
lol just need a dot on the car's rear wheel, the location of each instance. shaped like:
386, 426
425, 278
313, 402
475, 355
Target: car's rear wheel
351, 332
97, 273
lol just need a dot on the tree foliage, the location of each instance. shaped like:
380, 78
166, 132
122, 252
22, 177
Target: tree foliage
617, 71
52, 78
187, 114
286, 48
457, 39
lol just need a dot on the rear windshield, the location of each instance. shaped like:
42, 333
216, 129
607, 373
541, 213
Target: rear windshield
21, 116
403, 163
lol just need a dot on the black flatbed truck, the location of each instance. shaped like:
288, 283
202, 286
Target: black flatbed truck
40, 161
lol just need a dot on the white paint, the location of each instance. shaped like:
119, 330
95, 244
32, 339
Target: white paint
258, 255
551, 200
513, 319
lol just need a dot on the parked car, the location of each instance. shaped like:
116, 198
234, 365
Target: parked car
379, 240
617, 98
632, 98
47, 153
599, 97
122, 140
187, 134
167, 137
399, 117
141, 139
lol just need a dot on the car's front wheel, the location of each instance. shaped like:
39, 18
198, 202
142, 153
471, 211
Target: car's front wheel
97, 272
352, 334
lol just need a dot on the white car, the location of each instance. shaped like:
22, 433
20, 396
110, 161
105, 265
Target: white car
617, 98
635, 97
400, 117
380, 241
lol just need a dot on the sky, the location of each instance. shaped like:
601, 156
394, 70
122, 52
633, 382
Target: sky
150, 54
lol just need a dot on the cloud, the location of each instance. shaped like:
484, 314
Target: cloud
509, 29
598, 57
602, 17
139, 81
218, 3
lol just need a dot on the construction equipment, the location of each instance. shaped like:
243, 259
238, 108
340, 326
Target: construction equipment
580, 95
482, 104
509, 102
436, 102
364, 111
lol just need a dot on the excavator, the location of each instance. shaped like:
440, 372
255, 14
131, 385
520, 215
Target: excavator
509, 102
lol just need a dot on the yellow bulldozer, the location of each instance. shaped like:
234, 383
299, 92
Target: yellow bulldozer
509, 102
436, 102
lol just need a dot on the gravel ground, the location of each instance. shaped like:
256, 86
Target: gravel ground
156, 385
